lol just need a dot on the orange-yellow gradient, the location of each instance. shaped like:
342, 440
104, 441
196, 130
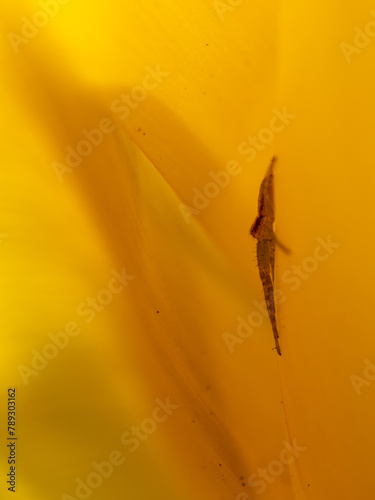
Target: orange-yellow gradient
134, 139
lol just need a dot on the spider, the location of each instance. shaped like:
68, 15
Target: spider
262, 231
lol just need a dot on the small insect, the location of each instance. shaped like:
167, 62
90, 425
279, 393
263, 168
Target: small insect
262, 231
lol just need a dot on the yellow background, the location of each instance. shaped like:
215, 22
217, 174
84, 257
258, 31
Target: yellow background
229, 68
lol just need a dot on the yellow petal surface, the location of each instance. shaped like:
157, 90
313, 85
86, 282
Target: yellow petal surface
135, 138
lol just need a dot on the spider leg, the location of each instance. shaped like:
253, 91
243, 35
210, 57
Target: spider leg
282, 246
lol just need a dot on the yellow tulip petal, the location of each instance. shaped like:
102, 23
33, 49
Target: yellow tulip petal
136, 137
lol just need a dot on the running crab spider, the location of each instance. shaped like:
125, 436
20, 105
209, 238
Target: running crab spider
262, 231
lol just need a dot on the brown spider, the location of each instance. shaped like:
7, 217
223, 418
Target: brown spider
262, 231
